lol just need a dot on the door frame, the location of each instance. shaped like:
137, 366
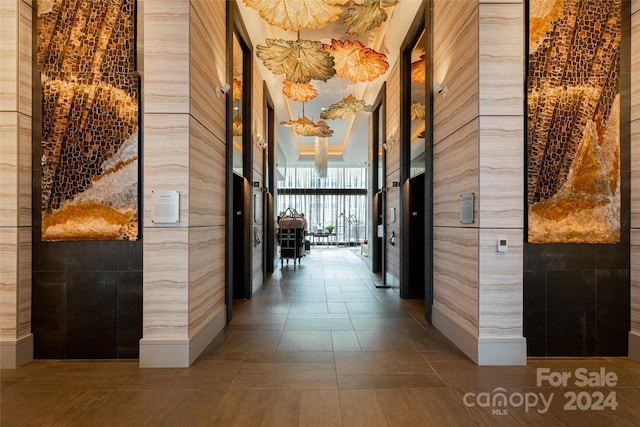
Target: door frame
423, 22
269, 185
379, 192
235, 27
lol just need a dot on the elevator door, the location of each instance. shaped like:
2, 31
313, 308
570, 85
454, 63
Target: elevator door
241, 277
416, 254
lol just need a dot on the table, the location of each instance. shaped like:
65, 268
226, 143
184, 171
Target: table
320, 236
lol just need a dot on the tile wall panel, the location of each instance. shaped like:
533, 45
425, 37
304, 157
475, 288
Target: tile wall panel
166, 56
257, 215
501, 158
24, 59
455, 171
393, 120
635, 115
166, 283
501, 293
455, 275
392, 112
635, 166
9, 159
206, 177
393, 251
24, 171
502, 59
9, 11
635, 280
166, 160
9, 260
206, 275
635, 174
456, 65
635, 66
24, 281
202, 82
205, 67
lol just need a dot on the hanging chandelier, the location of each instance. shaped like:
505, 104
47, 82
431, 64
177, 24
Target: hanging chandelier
321, 152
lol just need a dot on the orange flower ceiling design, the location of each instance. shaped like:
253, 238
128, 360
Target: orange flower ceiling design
355, 61
298, 91
293, 15
299, 60
347, 106
365, 17
306, 127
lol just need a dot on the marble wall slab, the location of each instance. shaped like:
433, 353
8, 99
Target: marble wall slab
15, 282
166, 160
501, 287
166, 283
635, 173
392, 113
206, 275
9, 12
456, 64
25, 49
9, 261
392, 256
15, 169
24, 170
635, 168
455, 275
166, 56
635, 66
502, 56
207, 65
9, 159
635, 115
455, 171
24, 281
206, 177
635, 280
501, 174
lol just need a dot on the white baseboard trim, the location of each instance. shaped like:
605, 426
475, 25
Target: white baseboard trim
634, 345
392, 281
204, 336
178, 353
14, 354
485, 351
258, 281
462, 338
502, 351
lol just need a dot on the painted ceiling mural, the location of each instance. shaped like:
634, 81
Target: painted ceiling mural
573, 186
86, 59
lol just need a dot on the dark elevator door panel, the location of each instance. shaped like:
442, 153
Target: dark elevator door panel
416, 242
238, 236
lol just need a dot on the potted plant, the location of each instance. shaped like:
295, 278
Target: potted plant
329, 228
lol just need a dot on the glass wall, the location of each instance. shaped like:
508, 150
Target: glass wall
338, 201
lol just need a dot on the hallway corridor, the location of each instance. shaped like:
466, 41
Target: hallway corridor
319, 345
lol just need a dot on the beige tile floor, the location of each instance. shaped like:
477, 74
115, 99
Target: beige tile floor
319, 345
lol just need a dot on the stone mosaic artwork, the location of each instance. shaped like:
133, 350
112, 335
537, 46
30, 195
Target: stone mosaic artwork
574, 121
86, 59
